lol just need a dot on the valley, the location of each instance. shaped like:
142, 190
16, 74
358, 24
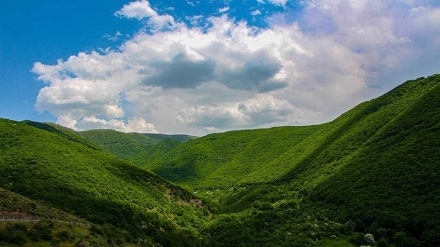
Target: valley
375, 170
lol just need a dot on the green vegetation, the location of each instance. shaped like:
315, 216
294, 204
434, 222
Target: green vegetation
134, 147
97, 186
370, 177
226, 159
62, 131
30, 222
48, 233
376, 165
284, 153
392, 186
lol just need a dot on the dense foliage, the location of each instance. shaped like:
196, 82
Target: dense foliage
370, 177
392, 186
376, 166
26, 221
96, 186
135, 147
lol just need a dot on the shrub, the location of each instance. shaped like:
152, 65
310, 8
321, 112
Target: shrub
63, 235
369, 238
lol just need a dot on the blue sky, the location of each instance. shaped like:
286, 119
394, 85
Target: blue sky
206, 66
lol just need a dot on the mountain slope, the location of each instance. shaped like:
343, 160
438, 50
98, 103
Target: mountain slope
394, 182
224, 159
135, 147
379, 173
307, 154
375, 166
375, 169
28, 222
96, 186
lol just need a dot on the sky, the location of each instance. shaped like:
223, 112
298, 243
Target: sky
203, 66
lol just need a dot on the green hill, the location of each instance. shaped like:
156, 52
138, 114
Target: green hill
373, 170
392, 185
227, 158
135, 147
62, 131
30, 222
97, 186
386, 146
312, 153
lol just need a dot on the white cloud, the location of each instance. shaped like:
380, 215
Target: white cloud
387, 35
135, 124
194, 4
224, 9
67, 121
141, 10
278, 2
86, 84
274, 2
231, 75
256, 12
114, 37
258, 111
195, 20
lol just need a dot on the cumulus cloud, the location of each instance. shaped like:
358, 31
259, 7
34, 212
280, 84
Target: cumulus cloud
142, 10
181, 72
134, 124
86, 84
381, 32
261, 110
196, 79
257, 72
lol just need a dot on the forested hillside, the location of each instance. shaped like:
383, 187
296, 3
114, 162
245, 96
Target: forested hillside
322, 195
285, 153
26, 221
97, 186
375, 166
369, 177
392, 185
135, 147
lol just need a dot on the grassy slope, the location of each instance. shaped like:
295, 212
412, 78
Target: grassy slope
380, 169
395, 179
348, 134
286, 165
307, 154
65, 230
135, 147
95, 185
224, 159
10, 202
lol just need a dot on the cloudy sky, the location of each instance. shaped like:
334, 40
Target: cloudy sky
202, 66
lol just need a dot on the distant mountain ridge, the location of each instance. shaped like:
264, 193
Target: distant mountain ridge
135, 147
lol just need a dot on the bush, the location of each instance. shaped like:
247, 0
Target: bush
14, 233
357, 239
382, 243
63, 235
349, 227
369, 239
41, 231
